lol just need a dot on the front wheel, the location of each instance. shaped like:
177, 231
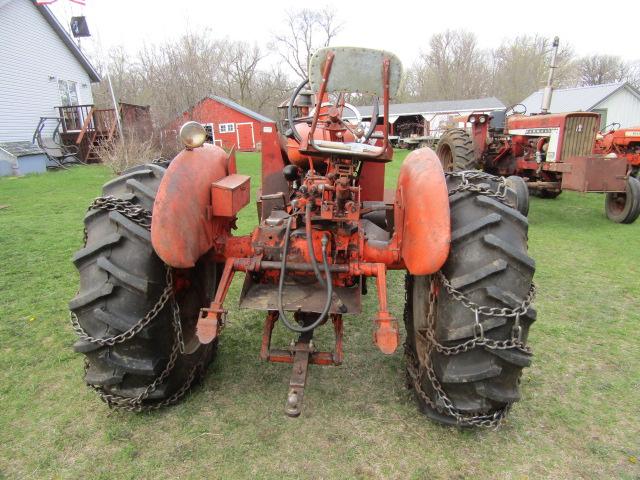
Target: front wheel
467, 325
624, 207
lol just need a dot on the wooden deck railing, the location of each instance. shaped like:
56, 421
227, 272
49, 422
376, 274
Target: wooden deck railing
73, 117
87, 126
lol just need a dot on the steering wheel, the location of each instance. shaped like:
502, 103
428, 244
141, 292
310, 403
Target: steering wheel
358, 135
345, 105
613, 125
293, 121
513, 110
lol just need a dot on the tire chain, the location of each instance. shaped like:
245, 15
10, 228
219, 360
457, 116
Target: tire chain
133, 212
142, 217
466, 185
417, 368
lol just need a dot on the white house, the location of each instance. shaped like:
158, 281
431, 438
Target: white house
41, 68
615, 102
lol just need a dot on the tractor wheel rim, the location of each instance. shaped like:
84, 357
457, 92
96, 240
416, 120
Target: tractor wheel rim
619, 203
446, 158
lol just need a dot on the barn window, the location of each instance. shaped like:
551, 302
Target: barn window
208, 127
227, 128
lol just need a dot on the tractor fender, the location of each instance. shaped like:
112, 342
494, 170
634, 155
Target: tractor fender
180, 229
422, 213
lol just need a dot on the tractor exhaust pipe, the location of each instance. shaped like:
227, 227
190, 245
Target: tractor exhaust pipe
548, 90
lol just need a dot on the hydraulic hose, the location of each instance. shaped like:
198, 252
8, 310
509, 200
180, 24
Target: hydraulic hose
283, 271
309, 235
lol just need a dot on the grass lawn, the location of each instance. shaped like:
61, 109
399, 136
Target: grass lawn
578, 418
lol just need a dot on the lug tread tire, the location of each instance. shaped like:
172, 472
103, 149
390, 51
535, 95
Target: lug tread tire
121, 279
490, 264
456, 148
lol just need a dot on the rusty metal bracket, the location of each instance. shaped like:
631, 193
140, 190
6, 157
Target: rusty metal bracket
301, 354
302, 351
288, 355
211, 320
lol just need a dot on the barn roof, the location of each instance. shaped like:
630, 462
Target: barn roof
577, 99
68, 41
241, 109
440, 106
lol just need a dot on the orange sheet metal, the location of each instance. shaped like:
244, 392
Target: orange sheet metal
424, 213
180, 231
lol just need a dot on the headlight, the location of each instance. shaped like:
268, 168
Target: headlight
472, 119
192, 135
482, 119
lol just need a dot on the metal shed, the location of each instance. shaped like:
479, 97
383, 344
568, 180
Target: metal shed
20, 158
428, 119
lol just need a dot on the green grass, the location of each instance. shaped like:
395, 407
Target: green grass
578, 417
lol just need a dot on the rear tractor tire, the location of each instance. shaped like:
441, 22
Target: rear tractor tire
455, 151
122, 281
624, 207
464, 366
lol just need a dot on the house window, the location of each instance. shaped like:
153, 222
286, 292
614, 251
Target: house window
227, 128
68, 92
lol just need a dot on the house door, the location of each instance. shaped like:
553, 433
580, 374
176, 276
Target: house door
245, 137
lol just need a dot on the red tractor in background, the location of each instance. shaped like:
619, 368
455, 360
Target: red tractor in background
159, 257
551, 152
616, 142
621, 142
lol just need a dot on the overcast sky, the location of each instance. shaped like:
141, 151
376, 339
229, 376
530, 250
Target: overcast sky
401, 26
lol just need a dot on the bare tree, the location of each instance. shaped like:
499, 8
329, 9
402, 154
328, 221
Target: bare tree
634, 74
173, 76
125, 77
599, 69
269, 90
239, 68
520, 67
176, 75
454, 67
306, 31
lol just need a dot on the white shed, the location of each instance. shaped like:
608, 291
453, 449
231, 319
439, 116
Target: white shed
615, 102
428, 118
42, 68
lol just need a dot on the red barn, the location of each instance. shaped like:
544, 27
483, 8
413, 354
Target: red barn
228, 123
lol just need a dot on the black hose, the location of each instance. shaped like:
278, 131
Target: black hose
312, 253
283, 271
296, 92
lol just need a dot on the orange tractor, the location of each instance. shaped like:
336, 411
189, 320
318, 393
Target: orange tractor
545, 153
621, 142
159, 257
616, 142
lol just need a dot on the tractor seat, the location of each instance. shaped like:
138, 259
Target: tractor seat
349, 147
